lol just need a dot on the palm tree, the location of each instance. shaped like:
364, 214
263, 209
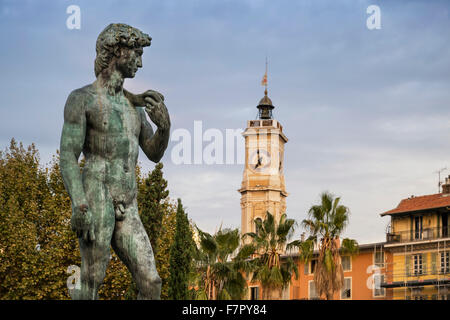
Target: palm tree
220, 266
269, 242
325, 223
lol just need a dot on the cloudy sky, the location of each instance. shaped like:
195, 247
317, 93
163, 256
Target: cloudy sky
367, 112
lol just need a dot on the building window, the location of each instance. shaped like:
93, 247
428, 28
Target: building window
346, 263
346, 291
379, 258
254, 293
310, 267
378, 291
312, 292
445, 257
445, 225
418, 223
418, 266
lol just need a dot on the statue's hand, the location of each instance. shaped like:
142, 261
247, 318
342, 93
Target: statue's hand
156, 109
138, 100
82, 222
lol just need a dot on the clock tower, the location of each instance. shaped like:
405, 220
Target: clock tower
263, 188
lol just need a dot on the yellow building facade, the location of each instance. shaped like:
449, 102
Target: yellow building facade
418, 239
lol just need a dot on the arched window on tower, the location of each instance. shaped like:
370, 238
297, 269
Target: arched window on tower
258, 222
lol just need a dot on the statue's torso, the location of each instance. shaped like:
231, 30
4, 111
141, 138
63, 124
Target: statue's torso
111, 144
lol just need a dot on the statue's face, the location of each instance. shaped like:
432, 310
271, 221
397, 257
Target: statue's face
130, 61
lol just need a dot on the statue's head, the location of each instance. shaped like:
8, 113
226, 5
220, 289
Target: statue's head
122, 45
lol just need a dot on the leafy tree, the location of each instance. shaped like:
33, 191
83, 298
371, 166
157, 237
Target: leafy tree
326, 222
269, 243
152, 196
219, 268
181, 254
36, 244
164, 243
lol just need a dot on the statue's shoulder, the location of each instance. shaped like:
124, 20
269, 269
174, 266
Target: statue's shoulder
78, 98
83, 92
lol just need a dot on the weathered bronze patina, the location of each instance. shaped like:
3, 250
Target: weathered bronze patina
108, 124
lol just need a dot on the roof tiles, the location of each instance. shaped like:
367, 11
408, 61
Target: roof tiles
433, 201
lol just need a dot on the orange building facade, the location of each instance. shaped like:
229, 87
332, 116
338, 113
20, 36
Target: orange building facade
364, 274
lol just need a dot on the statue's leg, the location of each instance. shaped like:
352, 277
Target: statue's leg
95, 255
131, 243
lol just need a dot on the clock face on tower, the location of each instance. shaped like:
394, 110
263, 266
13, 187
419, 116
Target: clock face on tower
259, 160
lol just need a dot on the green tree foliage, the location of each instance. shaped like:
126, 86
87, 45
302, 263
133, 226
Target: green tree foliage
269, 243
152, 196
220, 265
37, 244
326, 222
164, 243
181, 257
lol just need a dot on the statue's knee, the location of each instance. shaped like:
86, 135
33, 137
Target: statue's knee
157, 283
150, 282
156, 280
150, 288
153, 282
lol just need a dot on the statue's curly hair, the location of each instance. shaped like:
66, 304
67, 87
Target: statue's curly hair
117, 34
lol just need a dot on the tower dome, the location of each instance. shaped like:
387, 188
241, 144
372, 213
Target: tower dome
265, 107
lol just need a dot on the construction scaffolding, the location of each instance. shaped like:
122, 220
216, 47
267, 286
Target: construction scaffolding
416, 274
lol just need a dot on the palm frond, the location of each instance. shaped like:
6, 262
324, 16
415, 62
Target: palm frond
349, 246
326, 222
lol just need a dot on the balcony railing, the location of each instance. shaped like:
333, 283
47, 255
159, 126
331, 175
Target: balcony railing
414, 276
418, 235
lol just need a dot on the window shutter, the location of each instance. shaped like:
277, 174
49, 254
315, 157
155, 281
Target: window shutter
306, 264
346, 263
312, 290
424, 263
408, 265
433, 263
383, 290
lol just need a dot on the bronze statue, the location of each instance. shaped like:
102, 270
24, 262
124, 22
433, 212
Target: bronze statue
108, 124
